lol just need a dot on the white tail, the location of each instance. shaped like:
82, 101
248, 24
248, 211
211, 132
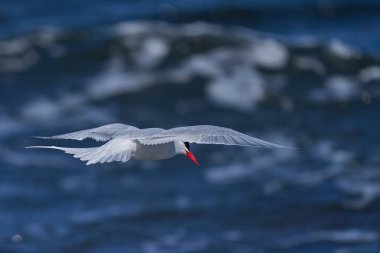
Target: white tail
118, 149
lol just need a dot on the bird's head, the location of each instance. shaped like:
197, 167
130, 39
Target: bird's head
184, 149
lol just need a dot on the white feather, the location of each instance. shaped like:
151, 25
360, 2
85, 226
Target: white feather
118, 149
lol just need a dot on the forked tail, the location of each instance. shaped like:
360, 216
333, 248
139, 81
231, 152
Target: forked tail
114, 150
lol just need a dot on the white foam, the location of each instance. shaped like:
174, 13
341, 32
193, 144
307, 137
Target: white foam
364, 191
116, 79
242, 89
336, 88
268, 53
324, 150
339, 236
45, 111
277, 168
309, 63
151, 53
17, 238
229, 173
16, 46
255, 163
369, 74
19, 54
130, 28
231, 79
341, 87
341, 50
207, 65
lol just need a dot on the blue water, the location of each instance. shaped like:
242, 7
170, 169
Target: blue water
298, 73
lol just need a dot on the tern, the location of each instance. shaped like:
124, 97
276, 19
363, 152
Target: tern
124, 142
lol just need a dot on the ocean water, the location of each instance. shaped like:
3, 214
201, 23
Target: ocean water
299, 73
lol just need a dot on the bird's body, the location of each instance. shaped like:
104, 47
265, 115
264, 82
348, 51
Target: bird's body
155, 152
125, 142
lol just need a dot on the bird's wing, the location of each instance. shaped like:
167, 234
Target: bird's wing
102, 133
118, 149
207, 135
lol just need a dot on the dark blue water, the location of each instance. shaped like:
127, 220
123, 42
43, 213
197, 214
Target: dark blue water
297, 73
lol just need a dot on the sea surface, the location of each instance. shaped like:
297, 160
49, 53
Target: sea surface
304, 74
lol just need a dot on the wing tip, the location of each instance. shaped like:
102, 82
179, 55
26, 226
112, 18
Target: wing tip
273, 145
55, 137
53, 147
41, 137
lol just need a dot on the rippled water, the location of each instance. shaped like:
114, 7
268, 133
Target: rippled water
320, 95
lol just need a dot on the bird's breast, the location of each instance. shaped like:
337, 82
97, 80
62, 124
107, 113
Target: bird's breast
155, 152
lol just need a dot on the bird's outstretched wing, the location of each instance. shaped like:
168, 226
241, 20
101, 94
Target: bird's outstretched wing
102, 133
118, 149
206, 134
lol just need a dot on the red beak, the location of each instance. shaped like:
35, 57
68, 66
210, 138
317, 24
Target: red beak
192, 157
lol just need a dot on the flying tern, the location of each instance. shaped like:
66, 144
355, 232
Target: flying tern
124, 142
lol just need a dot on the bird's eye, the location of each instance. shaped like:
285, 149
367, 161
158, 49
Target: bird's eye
187, 145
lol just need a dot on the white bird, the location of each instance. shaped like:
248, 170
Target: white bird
125, 142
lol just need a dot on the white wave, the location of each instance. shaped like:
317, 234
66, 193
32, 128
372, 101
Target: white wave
70, 106
133, 28
369, 74
20, 54
274, 169
244, 85
206, 64
341, 50
340, 236
364, 191
254, 163
130, 28
239, 87
342, 88
15, 46
231, 71
268, 53
309, 63
336, 88
17, 238
151, 52
242, 89
221, 64
115, 79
